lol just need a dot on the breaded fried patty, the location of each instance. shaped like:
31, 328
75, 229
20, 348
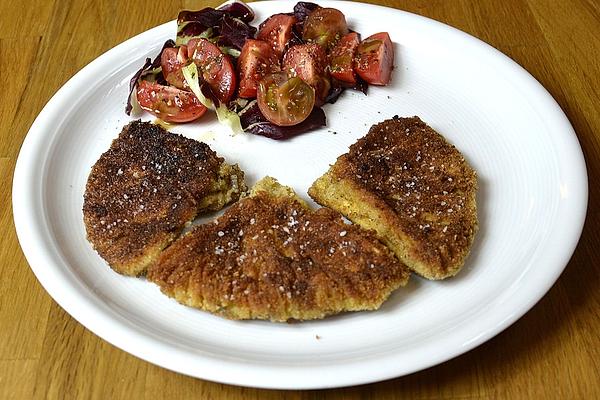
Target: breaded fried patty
411, 186
146, 187
271, 257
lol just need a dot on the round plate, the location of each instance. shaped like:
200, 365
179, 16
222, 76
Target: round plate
532, 203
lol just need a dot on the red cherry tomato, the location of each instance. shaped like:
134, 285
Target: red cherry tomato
325, 26
341, 65
216, 68
256, 60
285, 100
308, 62
277, 31
172, 60
169, 103
375, 59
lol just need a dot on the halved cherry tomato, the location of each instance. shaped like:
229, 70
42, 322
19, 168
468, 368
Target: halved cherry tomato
308, 62
285, 100
169, 103
341, 65
277, 31
256, 60
172, 60
325, 26
375, 59
216, 68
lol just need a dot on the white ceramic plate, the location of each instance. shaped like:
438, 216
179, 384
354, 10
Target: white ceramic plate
532, 205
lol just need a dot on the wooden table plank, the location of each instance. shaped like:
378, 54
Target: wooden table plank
75, 363
24, 304
551, 352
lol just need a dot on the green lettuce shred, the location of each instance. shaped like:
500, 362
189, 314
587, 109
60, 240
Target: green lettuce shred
224, 115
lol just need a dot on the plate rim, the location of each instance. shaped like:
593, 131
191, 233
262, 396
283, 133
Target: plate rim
23, 191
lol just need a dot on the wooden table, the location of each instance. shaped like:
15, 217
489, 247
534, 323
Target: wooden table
552, 352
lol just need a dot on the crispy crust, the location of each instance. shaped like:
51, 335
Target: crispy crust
146, 187
406, 182
271, 257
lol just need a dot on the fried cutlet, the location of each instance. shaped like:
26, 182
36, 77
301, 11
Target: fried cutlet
271, 257
143, 191
411, 186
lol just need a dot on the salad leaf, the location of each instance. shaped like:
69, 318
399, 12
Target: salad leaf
151, 70
192, 23
133, 83
209, 100
228, 26
234, 32
334, 94
239, 10
338, 87
254, 122
183, 40
190, 73
302, 9
361, 85
229, 118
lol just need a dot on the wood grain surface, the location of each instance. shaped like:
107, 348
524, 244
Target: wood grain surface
552, 352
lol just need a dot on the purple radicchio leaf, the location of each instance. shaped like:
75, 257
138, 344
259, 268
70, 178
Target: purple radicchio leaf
338, 87
149, 67
234, 32
194, 23
208, 93
228, 24
361, 85
239, 10
254, 122
296, 35
302, 9
334, 94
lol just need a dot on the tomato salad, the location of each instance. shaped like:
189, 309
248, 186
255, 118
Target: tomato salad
270, 81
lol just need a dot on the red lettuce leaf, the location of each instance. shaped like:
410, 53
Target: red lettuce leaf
200, 20
254, 122
228, 25
302, 9
147, 69
234, 32
238, 10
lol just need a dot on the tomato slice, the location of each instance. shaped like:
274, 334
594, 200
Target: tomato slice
325, 26
308, 62
375, 59
216, 68
341, 65
285, 100
277, 31
256, 60
172, 60
169, 103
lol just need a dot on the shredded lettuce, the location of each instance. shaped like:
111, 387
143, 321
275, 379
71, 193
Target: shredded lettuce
231, 51
190, 73
229, 118
224, 115
184, 40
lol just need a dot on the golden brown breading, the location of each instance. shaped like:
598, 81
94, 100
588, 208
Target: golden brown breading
146, 187
406, 182
271, 257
